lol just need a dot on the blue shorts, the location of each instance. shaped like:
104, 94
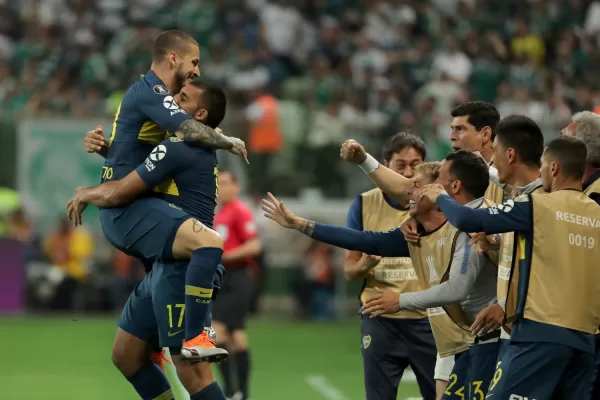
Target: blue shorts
541, 371
155, 310
144, 229
457, 383
137, 317
389, 346
482, 365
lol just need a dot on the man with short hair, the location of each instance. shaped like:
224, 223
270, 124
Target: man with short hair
585, 125
392, 343
441, 263
518, 147
474, 129
185, 176
552, 308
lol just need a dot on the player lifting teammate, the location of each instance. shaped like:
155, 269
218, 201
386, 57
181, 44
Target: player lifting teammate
147, 112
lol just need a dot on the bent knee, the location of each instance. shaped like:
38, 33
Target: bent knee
125, 361
204, 236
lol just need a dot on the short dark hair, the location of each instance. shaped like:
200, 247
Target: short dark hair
401, 141
171, 41
524, 135
233, 175
471, 170
480, 114
213, 100
571, 154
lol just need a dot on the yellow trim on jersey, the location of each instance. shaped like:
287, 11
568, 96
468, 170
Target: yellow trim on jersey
114, 128
167, 187
151, 133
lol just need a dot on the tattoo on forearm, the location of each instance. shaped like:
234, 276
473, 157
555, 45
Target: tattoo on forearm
199, 134
307, 227
197, 226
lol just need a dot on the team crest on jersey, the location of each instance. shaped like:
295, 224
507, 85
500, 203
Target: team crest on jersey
366, 342
507, 206
160, 89
170, 104
158, 153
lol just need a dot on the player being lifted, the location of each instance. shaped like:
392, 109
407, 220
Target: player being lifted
441, 263
157, 306
148, 111
554, 305
147, 114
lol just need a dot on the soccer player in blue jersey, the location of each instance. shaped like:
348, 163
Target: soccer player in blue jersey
147, 115
553, 303
157, 306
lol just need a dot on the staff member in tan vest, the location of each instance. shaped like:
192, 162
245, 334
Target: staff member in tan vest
392, 343
585, 125
518, 148
441, 264
557, 297
265, 138
467, 286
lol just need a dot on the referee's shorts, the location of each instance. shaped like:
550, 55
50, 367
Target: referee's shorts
233, 304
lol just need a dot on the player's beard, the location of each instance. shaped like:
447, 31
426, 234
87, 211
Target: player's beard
181, 80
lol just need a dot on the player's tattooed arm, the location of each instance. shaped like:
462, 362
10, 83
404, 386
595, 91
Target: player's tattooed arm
199, 134
305, 226
278, 212
202, 135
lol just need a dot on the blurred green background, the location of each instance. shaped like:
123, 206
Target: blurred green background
69, 359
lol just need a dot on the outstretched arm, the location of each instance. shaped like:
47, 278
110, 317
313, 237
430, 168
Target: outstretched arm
513, 215
390, 182
385, 244
166, 113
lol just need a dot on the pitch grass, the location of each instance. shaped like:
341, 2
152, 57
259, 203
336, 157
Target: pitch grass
67, 358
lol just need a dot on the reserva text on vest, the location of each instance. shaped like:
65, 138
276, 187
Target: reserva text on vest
577, 239
578, 219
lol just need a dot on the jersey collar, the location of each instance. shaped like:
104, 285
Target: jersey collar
153, 79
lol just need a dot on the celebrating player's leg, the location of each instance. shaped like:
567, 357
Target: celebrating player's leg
169, 231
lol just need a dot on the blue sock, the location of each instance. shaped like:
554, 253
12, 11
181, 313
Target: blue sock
199, 288
211, 392
151, 383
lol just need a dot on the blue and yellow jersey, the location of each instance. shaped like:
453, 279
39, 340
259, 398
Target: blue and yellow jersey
185, 176
146, 115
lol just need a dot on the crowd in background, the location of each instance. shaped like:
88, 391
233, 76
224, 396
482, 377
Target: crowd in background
338, 68
301, 77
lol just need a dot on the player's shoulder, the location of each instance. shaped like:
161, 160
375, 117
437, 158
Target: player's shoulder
372, 193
